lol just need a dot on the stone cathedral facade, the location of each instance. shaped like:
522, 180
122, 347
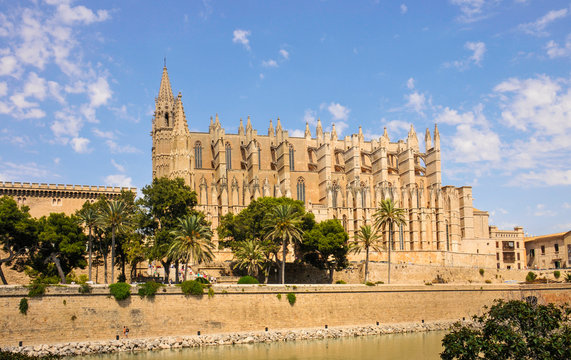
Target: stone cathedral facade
343, 178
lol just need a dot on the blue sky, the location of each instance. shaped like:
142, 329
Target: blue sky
78, 81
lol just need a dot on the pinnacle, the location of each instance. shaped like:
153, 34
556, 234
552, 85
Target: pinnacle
165, 90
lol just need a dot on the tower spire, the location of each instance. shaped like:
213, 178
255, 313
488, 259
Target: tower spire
165, 90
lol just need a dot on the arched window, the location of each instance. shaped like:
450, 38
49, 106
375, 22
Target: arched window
228, 156
447, 236
198, 155
401, 237
334, 195
301, 189
259, 159
291, 159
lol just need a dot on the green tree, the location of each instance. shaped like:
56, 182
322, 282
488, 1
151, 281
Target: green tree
116, 215
284, 227
388, 215
18, 232
191, 241
366, 239
164, 202
61, 246
512, 330
251, 256
88, 216
325, 246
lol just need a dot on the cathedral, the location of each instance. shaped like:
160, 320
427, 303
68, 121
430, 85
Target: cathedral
342, 178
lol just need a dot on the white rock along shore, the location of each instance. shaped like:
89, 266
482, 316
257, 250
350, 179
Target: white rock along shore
174, 342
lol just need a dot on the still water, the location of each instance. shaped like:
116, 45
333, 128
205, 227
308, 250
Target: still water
385, 347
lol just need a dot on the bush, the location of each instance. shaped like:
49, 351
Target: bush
340, 282
210, 292
192, 287
149, 289
279, 296
379, 282
368, 283
23, 306
557, 274
482, 272
120, 290
84, 289
5, 355
291, 298
36, 289
121, 278
248, 280
530, 276
202, 280
568, 277
82, 279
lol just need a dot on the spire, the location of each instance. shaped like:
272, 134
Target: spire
361, 136
427, 140
248, 125
386, 134
271, 129
241, 127
278, 125
307, 131
436, 137
180, 124
333, 132
411, 131
319, 129
412, 140
165, 90
384, 140
217, 122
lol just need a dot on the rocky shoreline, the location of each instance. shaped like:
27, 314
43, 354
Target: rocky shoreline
177, 342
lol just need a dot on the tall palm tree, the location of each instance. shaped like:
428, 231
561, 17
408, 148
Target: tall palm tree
250, 255
366, 239
388, 214
117, 216
89, 216
191, 241
285, 226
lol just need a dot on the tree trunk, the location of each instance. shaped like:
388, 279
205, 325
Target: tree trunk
90, 244
185, 269
112, 254
331, 271
166, 266
58, 267
283, 260
390, 246
176, 277
105, 266
11, 256
4, 282
123, 261
366, 264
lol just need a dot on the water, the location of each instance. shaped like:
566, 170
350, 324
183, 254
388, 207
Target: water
384, 347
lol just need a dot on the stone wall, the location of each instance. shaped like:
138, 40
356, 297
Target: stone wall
64, 315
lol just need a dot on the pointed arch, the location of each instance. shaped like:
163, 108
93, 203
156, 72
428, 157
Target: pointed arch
228, 156
198, 155
301, 189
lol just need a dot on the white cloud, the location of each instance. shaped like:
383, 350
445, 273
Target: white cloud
566, 205
416, 101
269, 63
453, 117
547, 177
284, 53
20, 101
471, 10
241, 37
470, 144
540, 210
396, 126
537, 28
3, 88
80, 145
35, 86
478, 49
99, 92
262, 76
410, 83
67, 124
338, 111
296, 133
103, 134
68, 14
30, 171
554, 50
310, 117
117, 166
119, 180
403, 9
121, 149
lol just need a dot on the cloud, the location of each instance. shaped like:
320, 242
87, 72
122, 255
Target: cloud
119, 180
3, 88
566, 205
117, 166
547, 177
554, 50
338, 111
69, 15
8, 65
99, 92
472, 10
29, 171
296, 133
470, 144
241, 37
453, 117
416, 101
103, 134
310, 117
270, 63
121, 149
478, 50
284, 53
67, 124
403, 9
410, 83
540, 210
80, 145
537, 28
396, 126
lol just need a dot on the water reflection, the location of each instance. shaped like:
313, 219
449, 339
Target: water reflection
386, 347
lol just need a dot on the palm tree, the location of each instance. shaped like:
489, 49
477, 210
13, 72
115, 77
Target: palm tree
192, 241
115, 215
250, 255
285, 226
388, 214
89, 216
366, 239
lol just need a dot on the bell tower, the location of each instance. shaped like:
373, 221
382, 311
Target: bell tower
162, 128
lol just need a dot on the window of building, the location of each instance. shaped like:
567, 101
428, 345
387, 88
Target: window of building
556, 248
364, 199
291, 159
531, 252
334, 196
517, 243
401, 237
542, 249
301, 189
198, 155
519, 266
497, 256
259, 159
228, 157
518, 257
497, 244
498, 265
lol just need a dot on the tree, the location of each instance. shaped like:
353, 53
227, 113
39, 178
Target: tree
191, 241
326, 247
388, 214
164, 202
512, 330
61, 246
251, 256
88, 216
115, 214
284, 227
18, 231
367, 239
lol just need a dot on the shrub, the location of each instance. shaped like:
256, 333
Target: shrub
84, 289
121, 278
291, 298
368, 283
23, 306
210, 292
557, 274
530, 276
379, 282
279, 296
192, 287
202, 280
120, 290
5, 355
340, 282
36, 289
149, 289
568, 277
82, 279
428, 283
248, 280
482, 272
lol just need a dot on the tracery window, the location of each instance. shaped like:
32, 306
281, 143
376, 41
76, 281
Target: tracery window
291, 159
301, 189
228, 156
198, 155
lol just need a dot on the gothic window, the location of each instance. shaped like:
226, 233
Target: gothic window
401, 237
447, 236
259, 159
291, 159
334, 196
167, 119
228, 156
198, 155
301, 189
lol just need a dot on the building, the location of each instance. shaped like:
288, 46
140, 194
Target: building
43, 199
551, 251
343, 178
509, 248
